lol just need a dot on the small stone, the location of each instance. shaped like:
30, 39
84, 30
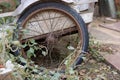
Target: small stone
9, 65
63, 77
96, 70
114, 72
92, 61
82, 72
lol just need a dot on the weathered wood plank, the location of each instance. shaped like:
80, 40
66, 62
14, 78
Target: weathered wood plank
6, 14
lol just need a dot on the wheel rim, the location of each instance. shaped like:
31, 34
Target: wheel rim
53, 28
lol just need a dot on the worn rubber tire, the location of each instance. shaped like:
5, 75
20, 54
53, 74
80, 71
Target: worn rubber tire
63, 7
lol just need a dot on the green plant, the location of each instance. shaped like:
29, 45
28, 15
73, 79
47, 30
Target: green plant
8, 6
16, 2
94, 49
29, 71
5, 37
32, 47
4, 7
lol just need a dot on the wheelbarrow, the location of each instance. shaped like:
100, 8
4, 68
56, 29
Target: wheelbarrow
59, 25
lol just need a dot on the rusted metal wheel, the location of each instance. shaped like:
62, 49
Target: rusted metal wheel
57, 27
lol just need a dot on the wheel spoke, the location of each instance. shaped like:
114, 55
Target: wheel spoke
32, 30
39, 23
57, 30
50, 19
45, 22
53, 20
56, 23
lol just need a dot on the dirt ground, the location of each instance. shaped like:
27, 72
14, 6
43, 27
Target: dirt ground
95, 68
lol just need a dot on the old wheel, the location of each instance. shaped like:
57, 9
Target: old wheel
57, 27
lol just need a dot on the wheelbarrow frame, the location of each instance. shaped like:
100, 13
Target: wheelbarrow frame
76, 4
86, 13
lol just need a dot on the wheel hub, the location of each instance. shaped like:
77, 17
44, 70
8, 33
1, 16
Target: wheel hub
51, 39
